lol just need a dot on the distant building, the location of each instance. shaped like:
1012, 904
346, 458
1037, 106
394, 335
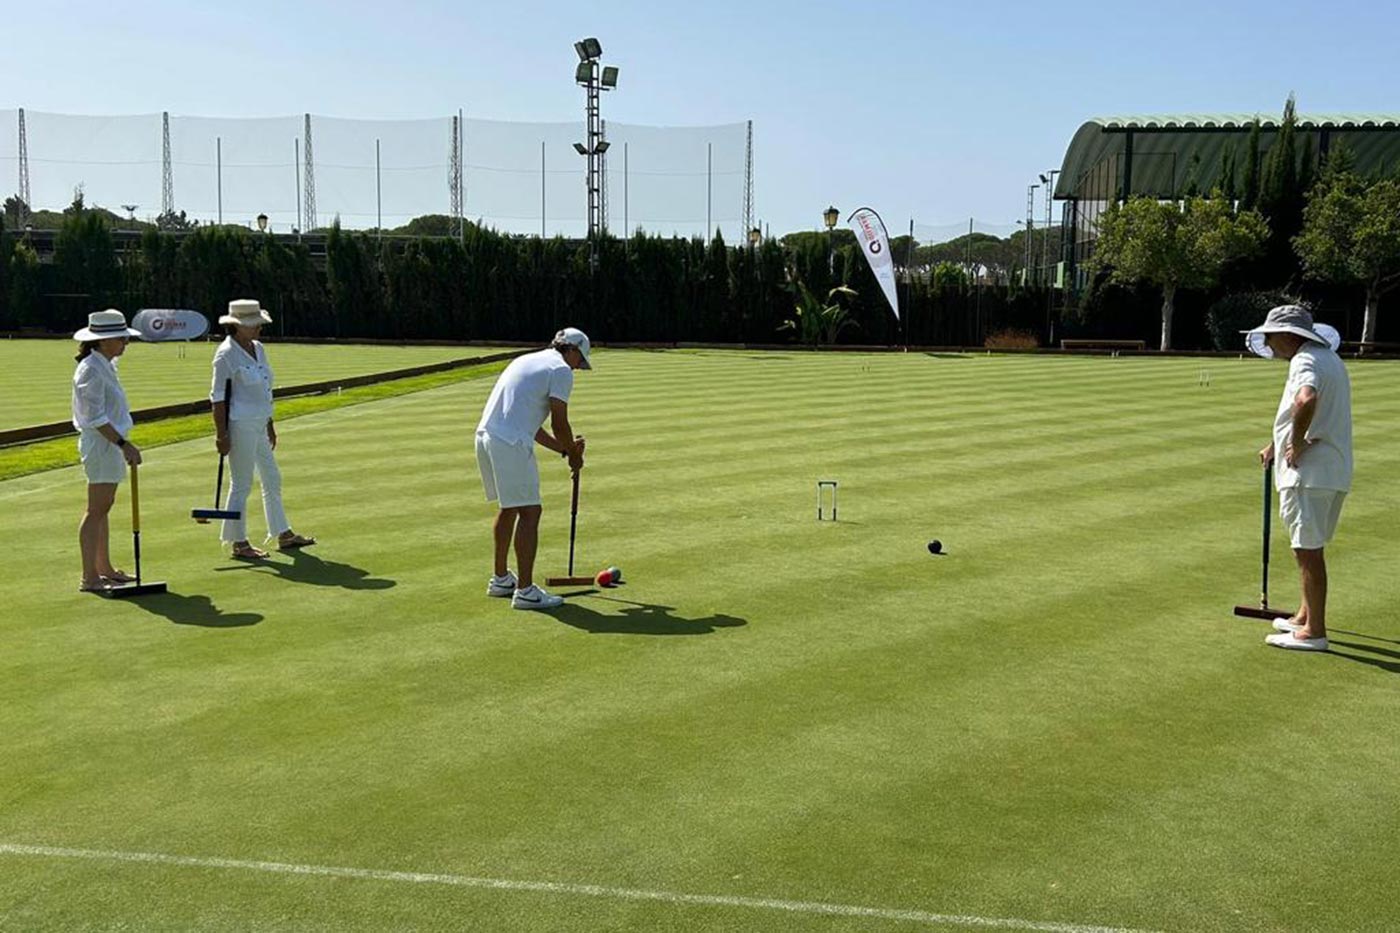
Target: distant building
1174, 156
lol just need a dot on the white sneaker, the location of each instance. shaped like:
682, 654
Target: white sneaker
535, 598
501, 586
1291, 641
1283, 625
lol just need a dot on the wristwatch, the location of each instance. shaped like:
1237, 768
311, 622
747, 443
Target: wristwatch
121, 442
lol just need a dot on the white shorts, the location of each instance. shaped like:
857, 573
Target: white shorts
508, 471
1310, 514
102, 460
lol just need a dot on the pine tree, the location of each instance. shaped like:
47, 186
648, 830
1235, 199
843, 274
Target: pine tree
1307, 168
1279, 188
1249, 198
1226, 183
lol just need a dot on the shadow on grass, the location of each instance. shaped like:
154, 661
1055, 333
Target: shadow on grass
194, 610
945, 356
637, 619
1393, 666
1388, 641
305, 567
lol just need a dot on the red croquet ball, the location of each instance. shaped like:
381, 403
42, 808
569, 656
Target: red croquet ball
604, 578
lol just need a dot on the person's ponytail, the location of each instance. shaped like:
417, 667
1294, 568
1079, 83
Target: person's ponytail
85, 349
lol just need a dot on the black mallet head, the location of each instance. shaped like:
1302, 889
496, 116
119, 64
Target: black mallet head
204, 516
128, 590
935, 546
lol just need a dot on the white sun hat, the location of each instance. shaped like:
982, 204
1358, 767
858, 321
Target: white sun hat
103, 325
247, 312
1290, 319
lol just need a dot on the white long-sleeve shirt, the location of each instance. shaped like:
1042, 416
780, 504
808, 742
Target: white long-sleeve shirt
98, 396
252, 381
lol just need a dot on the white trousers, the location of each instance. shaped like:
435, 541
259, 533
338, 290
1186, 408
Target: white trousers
249, 452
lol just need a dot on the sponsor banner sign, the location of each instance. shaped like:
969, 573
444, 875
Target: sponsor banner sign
157, 324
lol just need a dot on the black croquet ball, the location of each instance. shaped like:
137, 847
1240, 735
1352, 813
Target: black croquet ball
935, 546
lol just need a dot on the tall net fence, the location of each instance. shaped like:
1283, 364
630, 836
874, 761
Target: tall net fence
942, 233
516, 177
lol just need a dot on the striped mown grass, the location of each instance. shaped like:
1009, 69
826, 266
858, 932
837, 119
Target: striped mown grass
36, 376
1059, 722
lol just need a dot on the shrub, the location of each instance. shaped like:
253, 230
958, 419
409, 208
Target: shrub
1012, 340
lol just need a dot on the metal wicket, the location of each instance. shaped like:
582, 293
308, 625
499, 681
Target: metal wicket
821, 485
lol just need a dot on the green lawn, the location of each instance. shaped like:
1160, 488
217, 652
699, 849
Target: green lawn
1058, 723
36, 376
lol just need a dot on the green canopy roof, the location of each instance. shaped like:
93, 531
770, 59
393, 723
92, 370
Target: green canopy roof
1243, 120
1166, 155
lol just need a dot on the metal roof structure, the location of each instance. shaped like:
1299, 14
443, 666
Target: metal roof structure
1167, 155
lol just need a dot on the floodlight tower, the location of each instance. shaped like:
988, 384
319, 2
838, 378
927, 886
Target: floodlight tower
594, 78
25, 204
167, 177
1030, 231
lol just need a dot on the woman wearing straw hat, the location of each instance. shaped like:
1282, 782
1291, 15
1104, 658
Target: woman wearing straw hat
103, 420
244, 429
1311, 454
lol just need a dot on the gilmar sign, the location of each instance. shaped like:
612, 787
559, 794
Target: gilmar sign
157, 324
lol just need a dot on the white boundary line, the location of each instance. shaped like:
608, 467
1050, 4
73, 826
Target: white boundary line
557, 887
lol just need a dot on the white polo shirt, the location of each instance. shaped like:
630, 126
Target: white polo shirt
1327, 463
519, 402
98, 396
252, 380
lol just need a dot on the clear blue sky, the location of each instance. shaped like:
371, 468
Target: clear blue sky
926, 109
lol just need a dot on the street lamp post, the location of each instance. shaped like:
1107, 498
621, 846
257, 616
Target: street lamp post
262, 223
594, 78
830, 216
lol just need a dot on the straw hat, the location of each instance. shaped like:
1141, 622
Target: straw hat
1290, 319
104, 325
246, 312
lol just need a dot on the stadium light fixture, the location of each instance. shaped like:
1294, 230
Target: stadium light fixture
581, 149
831, 215
584, 72
588, 49
601, 147
609, 77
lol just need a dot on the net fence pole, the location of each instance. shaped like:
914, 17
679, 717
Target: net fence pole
378, 195
709, 187
219, 174
543, 212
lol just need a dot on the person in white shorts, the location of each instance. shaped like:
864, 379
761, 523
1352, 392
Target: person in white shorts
533, 387
103, 420
245, 432
1311, 453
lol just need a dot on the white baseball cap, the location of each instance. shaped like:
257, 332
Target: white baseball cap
573, 337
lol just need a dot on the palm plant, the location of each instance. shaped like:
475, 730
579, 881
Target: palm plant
817, 322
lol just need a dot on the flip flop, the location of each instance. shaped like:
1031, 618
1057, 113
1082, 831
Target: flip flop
119, 576
101, 586
294, 542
